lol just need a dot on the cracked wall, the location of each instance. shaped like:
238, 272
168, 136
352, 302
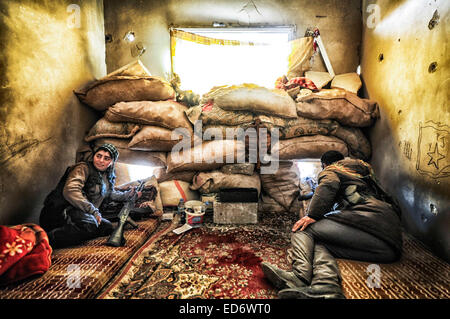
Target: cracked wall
48, 49
405, 68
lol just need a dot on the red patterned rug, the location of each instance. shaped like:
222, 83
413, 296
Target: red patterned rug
207, 262
224, 262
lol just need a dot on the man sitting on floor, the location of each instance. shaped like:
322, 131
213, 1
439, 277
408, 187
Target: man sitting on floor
349, 217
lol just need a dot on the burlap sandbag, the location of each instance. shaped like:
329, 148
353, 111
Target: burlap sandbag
357, 142
172, 191
162, 175
244, 168
307, 147
214, 115
168, 114
136, 68
237, 132
299, 58
127, 156
283, 185
125, 88
301, 126
104, 128
340, 105
213, 181
207, 156
153, 138
267, 204
253, 98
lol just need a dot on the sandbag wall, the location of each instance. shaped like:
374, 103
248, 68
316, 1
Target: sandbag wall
140, 113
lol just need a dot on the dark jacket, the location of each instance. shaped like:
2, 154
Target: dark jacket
86, 188
348, 193
82, 187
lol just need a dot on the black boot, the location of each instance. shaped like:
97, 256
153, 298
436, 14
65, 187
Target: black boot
301, 255
326, 281
280, 278
312, 292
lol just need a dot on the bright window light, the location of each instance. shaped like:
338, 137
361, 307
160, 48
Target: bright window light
139, 172
201, 67
309, 168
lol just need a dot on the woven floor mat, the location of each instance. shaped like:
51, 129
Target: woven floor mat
80, 272
417, 275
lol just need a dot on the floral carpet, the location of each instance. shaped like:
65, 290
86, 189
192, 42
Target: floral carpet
208, 262
219, 262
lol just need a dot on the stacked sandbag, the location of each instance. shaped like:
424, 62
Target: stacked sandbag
281, 189
155, 159
206, 155
132, 82
139, 115
173, 190
159, 122
340, 105
229, 110
162, 175
253, 98
213, 181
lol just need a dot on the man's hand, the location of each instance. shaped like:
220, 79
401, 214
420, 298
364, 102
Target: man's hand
98, 217
303, 223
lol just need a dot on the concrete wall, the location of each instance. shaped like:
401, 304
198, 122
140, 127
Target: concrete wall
47, 49
405, 67
338, 21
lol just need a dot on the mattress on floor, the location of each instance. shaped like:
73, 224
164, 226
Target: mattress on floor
80, 272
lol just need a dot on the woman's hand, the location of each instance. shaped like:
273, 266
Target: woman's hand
133, 190
303, 223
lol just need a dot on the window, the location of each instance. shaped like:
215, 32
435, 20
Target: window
204, 58
309, 170
139, 172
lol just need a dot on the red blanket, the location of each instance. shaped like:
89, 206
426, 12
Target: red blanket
24, 252
304, 83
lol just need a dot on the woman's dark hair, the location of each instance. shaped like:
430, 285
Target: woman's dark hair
114, 153
110, 171
330, 157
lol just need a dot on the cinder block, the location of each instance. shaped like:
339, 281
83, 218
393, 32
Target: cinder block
235, 213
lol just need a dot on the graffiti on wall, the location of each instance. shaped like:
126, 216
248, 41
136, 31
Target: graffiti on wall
433, 154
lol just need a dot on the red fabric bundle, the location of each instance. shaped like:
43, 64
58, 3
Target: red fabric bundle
285, 84
24, 252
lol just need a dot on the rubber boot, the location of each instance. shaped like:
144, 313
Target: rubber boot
326, 281
301, 255
280, 278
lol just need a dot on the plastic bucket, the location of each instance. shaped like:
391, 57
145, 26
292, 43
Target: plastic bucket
195, 211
